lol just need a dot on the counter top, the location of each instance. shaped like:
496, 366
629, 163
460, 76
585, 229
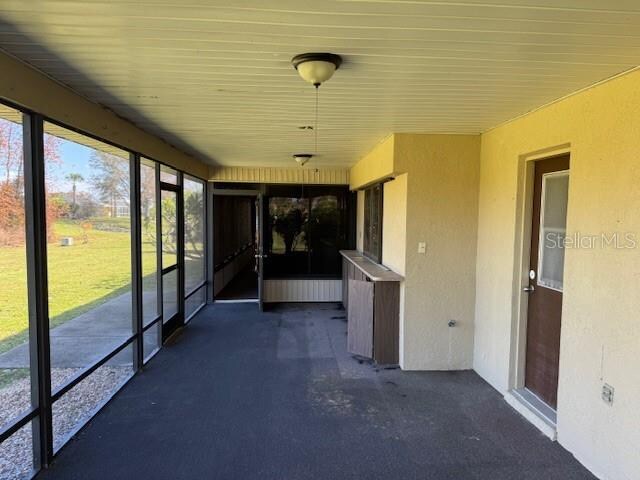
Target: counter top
373, 270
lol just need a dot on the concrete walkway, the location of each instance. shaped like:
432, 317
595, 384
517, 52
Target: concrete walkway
249, 395
89, 337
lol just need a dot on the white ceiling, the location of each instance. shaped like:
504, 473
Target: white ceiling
214, 79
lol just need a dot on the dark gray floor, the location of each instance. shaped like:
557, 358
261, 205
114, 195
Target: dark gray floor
243, 395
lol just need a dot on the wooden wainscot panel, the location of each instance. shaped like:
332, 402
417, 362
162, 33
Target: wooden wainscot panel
386, 322
360, 314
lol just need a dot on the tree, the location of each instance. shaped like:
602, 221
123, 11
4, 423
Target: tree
169, 231
12, 221
112, 181
289, 217
11, 150
86, 206
193, 228
147, 190
74, 178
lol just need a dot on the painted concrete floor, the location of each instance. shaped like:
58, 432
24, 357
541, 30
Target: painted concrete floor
249, 395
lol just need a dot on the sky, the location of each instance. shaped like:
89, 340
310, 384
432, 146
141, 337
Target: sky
74, 159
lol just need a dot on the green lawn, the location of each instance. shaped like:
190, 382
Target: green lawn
80, 277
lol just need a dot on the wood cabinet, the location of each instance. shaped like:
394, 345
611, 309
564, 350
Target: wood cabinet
371, 297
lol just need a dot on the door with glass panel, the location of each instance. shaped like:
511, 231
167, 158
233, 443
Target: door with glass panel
171, 251
546, 273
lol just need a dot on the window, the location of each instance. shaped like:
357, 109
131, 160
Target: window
372, 241
89, 271
194, 266
193, 233
304, 230
148, 222
169, 238
168, 175
149, 250
553, 228
85, 201
15, 383
122, 211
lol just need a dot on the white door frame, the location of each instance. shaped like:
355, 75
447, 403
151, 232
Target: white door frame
519, 306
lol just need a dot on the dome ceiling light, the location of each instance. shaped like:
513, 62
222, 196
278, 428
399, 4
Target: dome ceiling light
316, 68
302, 158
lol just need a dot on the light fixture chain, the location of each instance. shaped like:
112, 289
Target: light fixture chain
315, 128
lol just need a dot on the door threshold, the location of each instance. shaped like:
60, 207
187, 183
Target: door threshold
240, 300
541, 415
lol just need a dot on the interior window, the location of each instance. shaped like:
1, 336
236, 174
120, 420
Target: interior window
305, 229
372, 238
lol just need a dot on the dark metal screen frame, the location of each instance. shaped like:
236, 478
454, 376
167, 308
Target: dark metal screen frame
42, 397
177, 321
136, 261
205, 250
37, 287
209, 258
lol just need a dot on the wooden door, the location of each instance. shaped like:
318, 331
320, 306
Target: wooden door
551, 186
360, 318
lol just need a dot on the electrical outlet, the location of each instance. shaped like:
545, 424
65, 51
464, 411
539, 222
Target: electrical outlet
607, 394
422, 247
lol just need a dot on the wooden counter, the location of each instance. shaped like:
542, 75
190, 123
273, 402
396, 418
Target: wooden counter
374, 271
371, 296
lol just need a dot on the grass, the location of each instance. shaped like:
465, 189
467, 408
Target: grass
80, 277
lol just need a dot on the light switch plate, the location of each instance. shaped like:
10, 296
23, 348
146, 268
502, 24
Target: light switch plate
607, 393
422, 247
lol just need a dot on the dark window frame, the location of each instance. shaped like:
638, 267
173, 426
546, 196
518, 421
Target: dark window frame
43, 398
346, 240
373, 218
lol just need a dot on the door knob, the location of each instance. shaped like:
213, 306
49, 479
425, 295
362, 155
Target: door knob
529, 289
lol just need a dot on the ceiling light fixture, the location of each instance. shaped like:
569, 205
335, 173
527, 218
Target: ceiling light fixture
302, 158
315, 68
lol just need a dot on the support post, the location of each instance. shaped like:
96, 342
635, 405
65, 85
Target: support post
136, 261
38, 297
180, 216
159, 277
209, 226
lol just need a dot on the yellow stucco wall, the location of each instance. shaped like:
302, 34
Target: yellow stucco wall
600, 339
33, 90
433, 199
375, 166
442, 196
